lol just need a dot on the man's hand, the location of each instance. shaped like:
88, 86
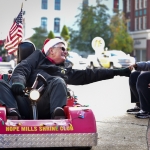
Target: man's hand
149, 85
131, 67
17, 88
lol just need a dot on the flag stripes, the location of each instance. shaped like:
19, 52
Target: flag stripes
15, 35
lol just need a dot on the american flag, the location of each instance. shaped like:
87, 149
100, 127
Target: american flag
15, 35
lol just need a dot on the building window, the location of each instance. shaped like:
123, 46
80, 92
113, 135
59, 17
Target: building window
116, 4
136, 13
144, 11
128, 25
44, 4
140, 55
144, 3
144, 22
85, 3
140, 12
140, 23
136, 4
136, 24
56, 25
44, 23
128, 6
57, 4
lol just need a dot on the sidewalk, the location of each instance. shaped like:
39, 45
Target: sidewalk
123, 133
117, 130
148, 135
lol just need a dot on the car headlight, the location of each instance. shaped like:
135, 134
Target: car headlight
34, 95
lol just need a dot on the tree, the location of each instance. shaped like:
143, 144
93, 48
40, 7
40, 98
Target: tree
120, 40
39, 37
65, 35
51, 35
92, 22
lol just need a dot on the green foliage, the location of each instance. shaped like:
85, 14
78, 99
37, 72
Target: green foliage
39, 37
120, 40
65, 33
51, 35
66, 36
92, 22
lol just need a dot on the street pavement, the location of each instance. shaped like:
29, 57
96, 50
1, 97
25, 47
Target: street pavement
117, 130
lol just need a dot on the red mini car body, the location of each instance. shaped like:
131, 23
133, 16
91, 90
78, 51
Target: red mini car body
77, 130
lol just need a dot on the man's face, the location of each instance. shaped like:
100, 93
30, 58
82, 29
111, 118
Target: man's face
58, 53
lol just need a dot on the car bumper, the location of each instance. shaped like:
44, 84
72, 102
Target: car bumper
122, 65
48, 140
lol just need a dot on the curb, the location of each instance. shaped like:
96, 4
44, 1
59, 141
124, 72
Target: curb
148, 135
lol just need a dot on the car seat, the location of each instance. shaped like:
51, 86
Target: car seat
25, 49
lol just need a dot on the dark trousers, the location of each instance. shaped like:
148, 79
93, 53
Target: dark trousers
140, 93
9, 100
55, 95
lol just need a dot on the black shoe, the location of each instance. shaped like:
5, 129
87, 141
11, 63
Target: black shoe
58, 113
143, 114
13, 115
134, 110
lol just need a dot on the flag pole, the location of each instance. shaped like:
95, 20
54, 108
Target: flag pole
21, 5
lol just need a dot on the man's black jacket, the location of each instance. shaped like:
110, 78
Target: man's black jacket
26, 71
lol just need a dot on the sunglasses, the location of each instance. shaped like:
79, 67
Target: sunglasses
62, 48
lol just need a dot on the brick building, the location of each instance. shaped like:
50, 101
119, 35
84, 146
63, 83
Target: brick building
137, 13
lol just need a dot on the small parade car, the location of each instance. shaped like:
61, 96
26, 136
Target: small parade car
78, 129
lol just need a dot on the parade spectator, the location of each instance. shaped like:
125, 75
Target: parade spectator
139, 82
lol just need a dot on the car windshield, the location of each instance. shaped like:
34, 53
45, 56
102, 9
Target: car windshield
73, 55
117, 53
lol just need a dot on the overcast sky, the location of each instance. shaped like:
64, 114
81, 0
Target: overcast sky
9, 9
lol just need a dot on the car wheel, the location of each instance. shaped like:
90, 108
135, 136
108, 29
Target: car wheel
111, 66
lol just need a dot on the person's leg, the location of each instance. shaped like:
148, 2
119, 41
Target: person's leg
24, 106
144, 91
54, 96
7, 99
144, 95
133, 91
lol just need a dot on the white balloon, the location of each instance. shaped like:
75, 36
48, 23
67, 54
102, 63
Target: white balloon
98, 44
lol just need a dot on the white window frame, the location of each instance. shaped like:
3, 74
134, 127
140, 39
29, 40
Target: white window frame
128, 25
136, 4
140, 4
144, 3
140, 23
144, 22
135, 26
128, 6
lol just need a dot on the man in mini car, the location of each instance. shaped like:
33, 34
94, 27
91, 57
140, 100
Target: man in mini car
51, 64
